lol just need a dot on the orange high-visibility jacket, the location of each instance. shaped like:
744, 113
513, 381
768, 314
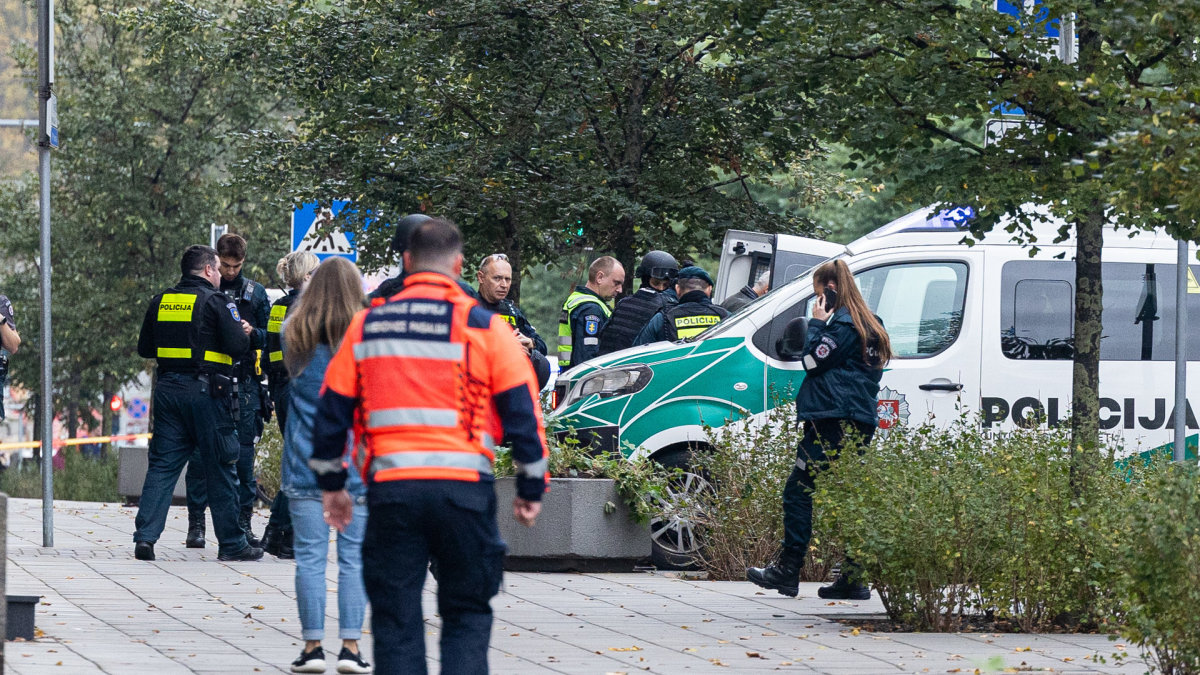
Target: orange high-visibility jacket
430, 381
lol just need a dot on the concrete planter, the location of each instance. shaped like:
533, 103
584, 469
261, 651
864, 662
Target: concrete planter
132, 462
573, 532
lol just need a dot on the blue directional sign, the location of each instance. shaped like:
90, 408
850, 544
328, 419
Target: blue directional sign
308, 219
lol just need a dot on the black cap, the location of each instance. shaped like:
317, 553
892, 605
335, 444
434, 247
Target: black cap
404, 228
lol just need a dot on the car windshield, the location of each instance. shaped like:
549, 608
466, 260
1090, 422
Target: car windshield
740, 315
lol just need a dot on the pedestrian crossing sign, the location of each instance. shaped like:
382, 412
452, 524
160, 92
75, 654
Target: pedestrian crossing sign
309, 219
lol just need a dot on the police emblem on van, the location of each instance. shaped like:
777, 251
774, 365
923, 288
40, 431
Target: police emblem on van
891, 408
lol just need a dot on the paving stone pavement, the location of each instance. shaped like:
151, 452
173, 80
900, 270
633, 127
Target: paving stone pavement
104, 612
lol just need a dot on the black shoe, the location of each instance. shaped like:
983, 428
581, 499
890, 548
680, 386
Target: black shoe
844, 589
779, 577
248, 554
286, 550
244, 522
143, 550
270, 540
310, 662
349, 662
195, 535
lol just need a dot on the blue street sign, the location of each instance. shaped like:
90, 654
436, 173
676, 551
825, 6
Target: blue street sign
137, 409
310, 217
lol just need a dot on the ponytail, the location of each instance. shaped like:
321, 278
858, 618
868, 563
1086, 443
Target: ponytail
870, 331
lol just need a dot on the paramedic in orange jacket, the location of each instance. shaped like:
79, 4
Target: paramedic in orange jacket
430, 381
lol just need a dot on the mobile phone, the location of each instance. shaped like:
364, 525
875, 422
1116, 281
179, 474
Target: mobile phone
831, 299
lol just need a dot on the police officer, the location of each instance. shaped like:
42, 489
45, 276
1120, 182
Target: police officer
694, 314
294, 269
427, 450
399, 245
495, 280
196, 334
657, 271
10, 341
253, 402
586, 312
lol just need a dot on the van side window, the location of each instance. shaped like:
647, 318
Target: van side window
1037, 311
921, 305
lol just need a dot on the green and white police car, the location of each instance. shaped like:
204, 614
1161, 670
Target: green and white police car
986, 327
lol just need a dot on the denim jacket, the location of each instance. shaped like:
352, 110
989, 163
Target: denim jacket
298, 480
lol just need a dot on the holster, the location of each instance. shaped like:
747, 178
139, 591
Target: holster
220, 386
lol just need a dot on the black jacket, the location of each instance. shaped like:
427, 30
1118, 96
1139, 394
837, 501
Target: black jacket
630, 317
214, 327
514, 316
662, 326
838, 384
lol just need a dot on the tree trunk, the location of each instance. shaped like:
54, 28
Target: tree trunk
511, 243
624, 252
1085, 384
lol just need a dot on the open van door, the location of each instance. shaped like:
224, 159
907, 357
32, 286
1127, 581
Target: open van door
745, 255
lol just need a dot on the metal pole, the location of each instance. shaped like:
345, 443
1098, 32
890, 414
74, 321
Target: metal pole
46, 401
1181, 279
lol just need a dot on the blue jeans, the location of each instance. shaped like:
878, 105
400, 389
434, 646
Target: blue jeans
188, 423
248, 428
454, 523
312, 551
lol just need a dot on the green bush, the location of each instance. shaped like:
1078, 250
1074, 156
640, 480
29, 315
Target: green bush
270, 459
953, 520
83, 478
1159, 584
642, 485
742, 515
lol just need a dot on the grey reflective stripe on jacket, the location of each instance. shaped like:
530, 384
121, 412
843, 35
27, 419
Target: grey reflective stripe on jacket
432, 460
409, 417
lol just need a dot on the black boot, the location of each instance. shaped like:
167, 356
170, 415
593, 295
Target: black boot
270, 540
195, 535
844, 588
244, 522
783, 576
286, 550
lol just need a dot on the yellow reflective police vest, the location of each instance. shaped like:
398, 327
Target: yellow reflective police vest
565, 338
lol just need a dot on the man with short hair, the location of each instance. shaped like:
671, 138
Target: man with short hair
657, 270
252, 304
586, 312
197, 335
748, 293
432, 382
495, 280
694, 314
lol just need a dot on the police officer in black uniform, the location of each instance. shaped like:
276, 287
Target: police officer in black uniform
294, 270
399, 245
254, 404
694, 314
495, 280
196, 334
657, 271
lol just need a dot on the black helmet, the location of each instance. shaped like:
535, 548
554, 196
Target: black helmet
404, 228
657, 265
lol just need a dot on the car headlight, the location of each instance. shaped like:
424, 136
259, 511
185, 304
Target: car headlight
611, 382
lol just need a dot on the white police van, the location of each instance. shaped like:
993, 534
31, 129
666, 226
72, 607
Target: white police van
988, 327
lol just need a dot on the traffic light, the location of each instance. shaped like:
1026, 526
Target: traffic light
115, 403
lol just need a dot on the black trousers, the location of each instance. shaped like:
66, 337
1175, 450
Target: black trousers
454, 524
821, 439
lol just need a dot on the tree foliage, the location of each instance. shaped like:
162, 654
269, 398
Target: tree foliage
909, 86
148, 100
544, 128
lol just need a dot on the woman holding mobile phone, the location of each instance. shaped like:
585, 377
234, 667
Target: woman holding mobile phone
844, 355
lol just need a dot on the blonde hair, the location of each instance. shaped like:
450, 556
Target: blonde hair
293, 267
329, 301
870, 330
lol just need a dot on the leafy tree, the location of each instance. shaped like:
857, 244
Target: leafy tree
546, 129
908, 87
148, 100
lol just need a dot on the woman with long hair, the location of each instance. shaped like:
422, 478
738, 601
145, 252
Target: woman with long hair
844, 355
311, 335
295, 269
